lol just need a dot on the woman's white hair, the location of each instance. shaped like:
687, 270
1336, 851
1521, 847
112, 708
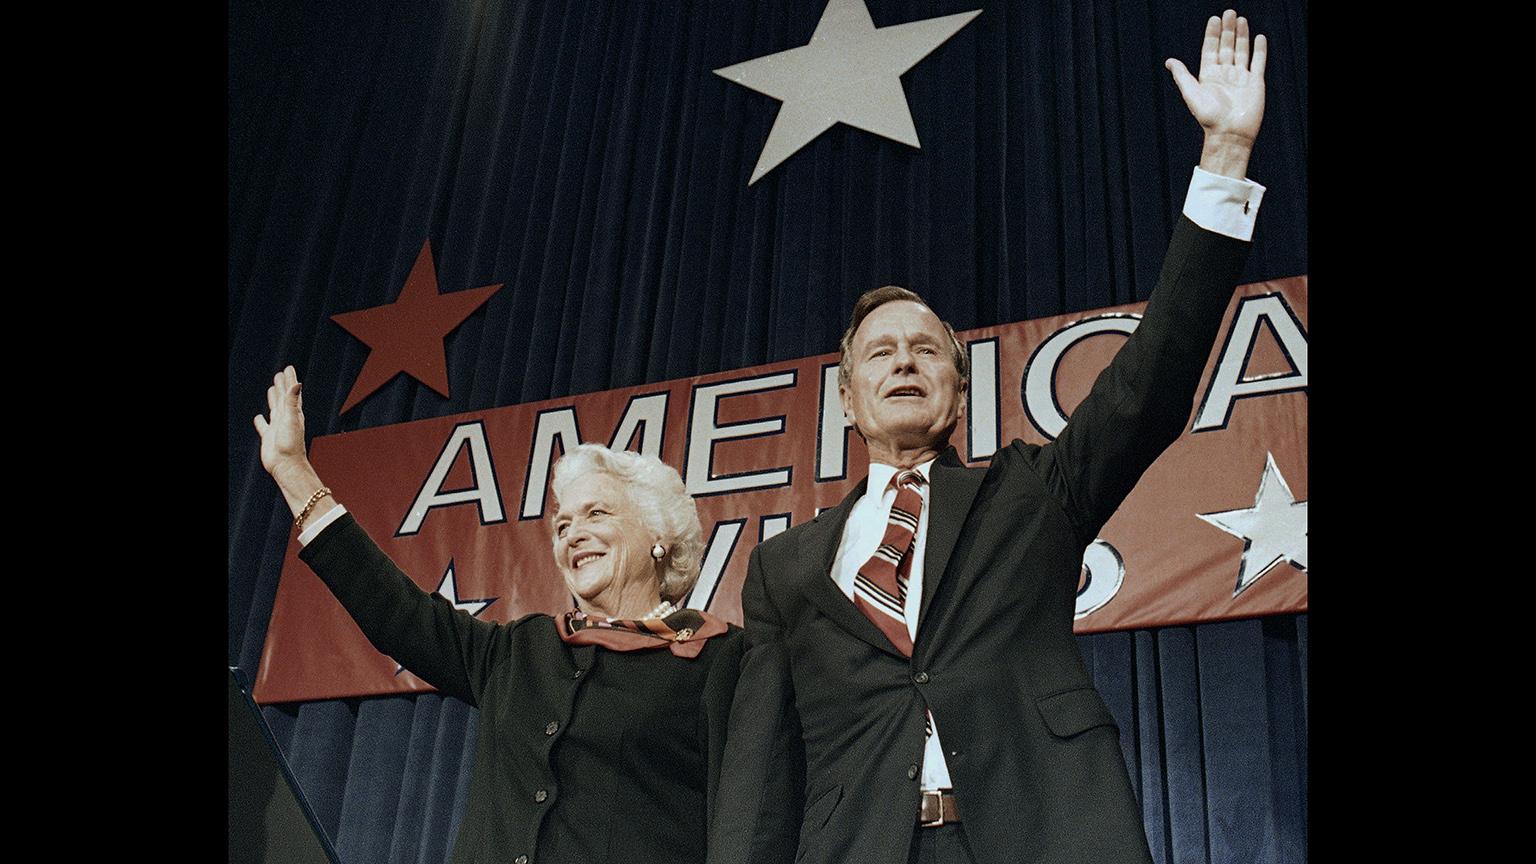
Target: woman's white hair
658, 493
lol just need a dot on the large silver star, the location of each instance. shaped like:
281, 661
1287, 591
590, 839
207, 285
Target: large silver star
850, 72
1274, 529
449, 589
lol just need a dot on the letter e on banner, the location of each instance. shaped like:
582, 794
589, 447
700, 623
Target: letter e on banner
704, 431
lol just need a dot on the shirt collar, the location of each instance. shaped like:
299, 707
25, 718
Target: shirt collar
880, 475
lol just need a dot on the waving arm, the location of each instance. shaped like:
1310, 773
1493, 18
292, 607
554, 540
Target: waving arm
446, 647
1141, 402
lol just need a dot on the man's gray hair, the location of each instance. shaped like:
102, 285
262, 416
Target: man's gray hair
666, 508
874, 299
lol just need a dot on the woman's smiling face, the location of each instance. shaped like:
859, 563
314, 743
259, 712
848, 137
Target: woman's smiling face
602, 547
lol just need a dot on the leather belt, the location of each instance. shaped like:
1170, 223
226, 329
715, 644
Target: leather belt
938, 808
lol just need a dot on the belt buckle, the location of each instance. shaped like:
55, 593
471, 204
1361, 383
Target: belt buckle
938, 808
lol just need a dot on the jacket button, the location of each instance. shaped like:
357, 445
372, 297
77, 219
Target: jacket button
921, 677
912, 771
540, 796
576, 674
552, 727
521, 859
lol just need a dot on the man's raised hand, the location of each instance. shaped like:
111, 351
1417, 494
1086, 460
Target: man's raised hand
1228, 97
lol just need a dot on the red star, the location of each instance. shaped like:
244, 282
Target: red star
407, 335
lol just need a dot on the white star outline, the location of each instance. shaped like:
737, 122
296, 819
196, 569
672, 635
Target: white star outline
449, 589
1273, 530
850, 72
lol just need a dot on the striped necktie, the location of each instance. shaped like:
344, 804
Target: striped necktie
880, 588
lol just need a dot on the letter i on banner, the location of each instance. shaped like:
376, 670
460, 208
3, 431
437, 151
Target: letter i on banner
983, 420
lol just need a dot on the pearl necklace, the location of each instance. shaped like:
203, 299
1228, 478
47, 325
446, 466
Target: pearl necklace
662, 610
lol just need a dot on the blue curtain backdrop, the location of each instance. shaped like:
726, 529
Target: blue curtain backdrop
584, 155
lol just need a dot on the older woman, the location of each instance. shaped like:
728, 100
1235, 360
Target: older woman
601, 729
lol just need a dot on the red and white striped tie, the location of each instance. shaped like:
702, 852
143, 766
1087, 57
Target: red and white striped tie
880, 588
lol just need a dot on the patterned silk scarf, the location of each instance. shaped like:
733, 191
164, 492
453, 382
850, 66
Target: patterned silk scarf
684, 632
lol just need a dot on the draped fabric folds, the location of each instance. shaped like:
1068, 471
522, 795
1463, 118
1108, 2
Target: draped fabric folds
584, 156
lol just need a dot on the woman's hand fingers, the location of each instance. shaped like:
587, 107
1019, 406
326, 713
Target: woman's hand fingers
292, 390
282, 429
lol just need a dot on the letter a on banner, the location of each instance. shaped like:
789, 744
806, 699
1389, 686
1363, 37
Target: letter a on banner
483, 493
1228, 384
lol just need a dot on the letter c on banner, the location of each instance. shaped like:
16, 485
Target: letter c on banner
1040, 404
1103, 574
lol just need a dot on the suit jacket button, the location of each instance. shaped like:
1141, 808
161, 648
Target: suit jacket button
552, 728
540, 796
912, 772
521, 859
921, 677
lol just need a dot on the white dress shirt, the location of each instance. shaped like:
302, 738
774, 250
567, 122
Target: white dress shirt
861, 536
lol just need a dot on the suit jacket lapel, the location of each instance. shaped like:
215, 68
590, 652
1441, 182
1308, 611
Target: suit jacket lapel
817, 549
952, 489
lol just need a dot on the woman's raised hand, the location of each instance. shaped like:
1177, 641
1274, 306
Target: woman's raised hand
282, 441
282, 437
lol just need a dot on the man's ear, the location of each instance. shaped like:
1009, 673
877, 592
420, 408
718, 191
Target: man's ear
842, 398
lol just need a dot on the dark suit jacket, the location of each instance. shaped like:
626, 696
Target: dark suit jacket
833, 714
581, 753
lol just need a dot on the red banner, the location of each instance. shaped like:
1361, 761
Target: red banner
1216, 529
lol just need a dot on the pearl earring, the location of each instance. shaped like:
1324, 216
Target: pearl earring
658, 551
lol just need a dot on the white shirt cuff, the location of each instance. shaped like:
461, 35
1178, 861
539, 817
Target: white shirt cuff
1225, 205
318, 523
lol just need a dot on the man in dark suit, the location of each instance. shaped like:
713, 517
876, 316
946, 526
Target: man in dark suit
913, 690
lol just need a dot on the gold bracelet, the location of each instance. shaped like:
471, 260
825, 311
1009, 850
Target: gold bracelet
313, 500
